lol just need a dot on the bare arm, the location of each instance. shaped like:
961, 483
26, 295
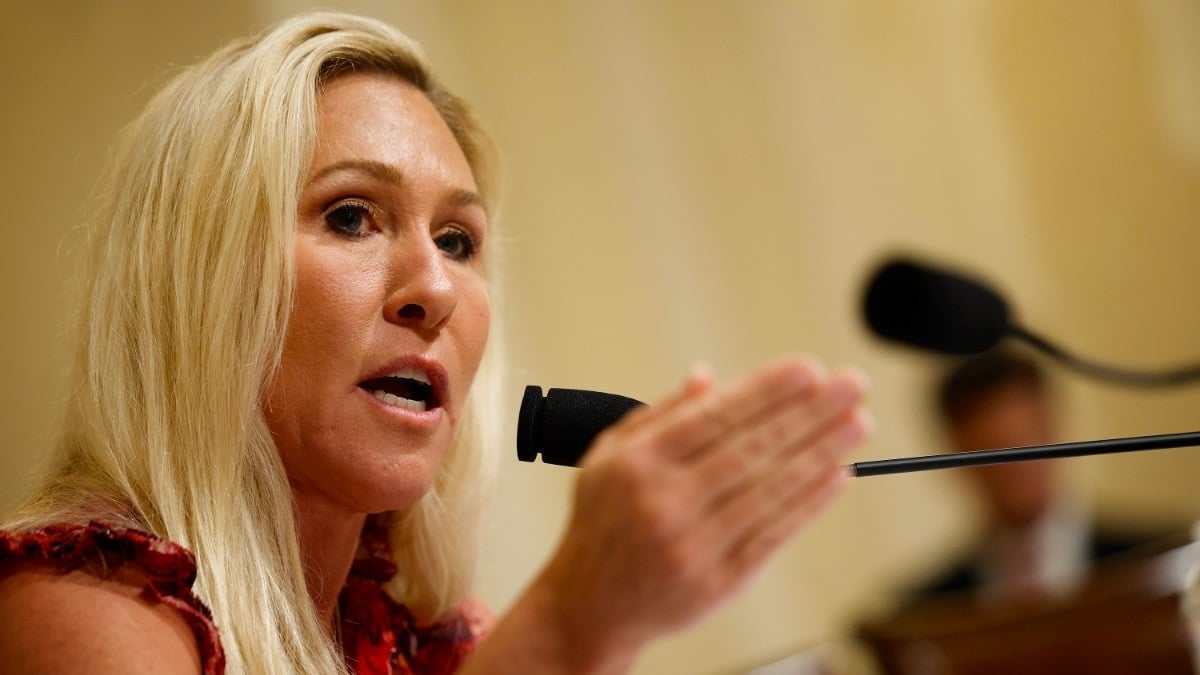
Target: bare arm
63, 624
677, 507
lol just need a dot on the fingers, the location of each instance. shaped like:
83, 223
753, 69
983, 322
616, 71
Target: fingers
754, 550
758, 447
696, 422
761, 515
698, 381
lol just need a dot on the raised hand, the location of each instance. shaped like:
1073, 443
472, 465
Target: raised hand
681, 502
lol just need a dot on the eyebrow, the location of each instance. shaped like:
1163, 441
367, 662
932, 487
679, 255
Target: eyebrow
389, 173
382, 171
460, 197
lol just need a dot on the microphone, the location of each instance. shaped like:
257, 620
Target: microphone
941, 311
934, 310
562, 425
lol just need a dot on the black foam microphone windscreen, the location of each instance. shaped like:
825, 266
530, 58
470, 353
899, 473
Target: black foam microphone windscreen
562, 425
934, 309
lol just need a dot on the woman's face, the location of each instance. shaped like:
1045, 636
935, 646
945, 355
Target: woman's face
391, 308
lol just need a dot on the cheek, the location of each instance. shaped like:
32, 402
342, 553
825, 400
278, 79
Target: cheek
482, 313
337, 302
313, 324
478, 319
472, 324
329, 322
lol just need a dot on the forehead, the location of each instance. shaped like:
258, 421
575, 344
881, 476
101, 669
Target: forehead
381, 117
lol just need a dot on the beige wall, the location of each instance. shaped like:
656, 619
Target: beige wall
709, 181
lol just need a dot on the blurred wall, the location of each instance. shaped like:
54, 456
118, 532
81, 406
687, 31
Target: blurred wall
711, 182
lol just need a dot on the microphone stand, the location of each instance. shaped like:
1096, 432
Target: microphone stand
1162, 378
1054, 451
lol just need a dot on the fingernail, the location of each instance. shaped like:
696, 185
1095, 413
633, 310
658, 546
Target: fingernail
846, 391
698, 378
868, 421
853, 433
701, 372
860, 379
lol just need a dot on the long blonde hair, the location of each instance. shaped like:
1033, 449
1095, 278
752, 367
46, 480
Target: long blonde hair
181, 320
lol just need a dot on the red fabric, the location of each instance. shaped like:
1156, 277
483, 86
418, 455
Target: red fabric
379, 635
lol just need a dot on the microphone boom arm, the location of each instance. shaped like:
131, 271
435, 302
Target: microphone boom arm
1162, 378
956, 460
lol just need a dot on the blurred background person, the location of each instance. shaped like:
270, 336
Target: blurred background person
1036, 540
1042, 585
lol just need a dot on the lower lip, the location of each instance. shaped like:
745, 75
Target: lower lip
423, 419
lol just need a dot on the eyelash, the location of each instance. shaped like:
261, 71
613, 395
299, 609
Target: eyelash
350, 206
469, 248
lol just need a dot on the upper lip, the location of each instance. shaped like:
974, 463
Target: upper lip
438, 380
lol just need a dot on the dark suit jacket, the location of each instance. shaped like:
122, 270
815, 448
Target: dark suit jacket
963, 574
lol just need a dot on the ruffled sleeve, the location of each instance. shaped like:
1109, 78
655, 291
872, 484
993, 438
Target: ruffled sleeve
101, 550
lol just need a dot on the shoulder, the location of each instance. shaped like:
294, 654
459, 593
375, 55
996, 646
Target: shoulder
74, 622
107, 598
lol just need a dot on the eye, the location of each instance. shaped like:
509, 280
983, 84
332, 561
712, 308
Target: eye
456, 244
349, 218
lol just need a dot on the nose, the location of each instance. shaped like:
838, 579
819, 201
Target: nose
424, 294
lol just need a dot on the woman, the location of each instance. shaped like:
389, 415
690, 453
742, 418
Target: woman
282, 411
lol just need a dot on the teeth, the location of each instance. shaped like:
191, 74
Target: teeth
412, 374
392, 399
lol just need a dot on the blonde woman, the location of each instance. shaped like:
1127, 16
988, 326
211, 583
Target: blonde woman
283, 413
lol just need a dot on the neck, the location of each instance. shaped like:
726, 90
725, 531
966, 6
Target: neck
329, 537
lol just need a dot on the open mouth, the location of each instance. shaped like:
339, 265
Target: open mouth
408, 388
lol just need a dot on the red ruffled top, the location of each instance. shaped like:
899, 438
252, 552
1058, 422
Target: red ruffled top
379, 635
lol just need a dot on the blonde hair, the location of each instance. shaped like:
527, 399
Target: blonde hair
182, 316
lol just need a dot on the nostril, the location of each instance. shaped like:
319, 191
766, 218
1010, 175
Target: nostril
412, 311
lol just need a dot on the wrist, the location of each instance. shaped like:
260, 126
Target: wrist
544, 635
565, 638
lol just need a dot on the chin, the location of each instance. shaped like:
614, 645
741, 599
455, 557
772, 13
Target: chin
399, 486
365, 472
